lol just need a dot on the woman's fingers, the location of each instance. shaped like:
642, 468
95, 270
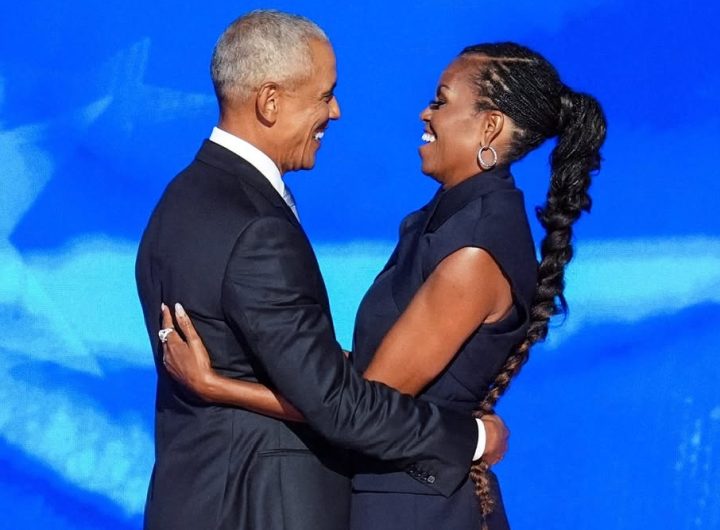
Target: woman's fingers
186, 325
172, 342
184, 355
166, 317
167, 357
173, 347
167, 324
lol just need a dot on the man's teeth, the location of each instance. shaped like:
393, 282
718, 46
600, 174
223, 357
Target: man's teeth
318, 135
428, 138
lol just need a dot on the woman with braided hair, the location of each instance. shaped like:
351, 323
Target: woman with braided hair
453, 315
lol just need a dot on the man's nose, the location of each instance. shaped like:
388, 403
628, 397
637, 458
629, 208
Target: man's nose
334, 109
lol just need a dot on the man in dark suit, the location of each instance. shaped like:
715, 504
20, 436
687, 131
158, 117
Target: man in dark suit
225, 241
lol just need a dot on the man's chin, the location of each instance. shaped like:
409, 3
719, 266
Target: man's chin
309, 163
303, 166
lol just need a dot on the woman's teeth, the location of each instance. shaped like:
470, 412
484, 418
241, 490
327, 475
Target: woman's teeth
428, 138
318, 135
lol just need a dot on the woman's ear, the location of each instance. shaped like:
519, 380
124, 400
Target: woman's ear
267, 103
493, 123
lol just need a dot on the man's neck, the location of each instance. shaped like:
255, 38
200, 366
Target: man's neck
241, 129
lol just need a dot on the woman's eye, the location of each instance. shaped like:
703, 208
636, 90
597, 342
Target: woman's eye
436, 104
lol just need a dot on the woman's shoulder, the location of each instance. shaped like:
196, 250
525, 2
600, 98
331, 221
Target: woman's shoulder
497, 223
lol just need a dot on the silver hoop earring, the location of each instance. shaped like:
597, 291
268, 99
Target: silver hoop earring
484, 164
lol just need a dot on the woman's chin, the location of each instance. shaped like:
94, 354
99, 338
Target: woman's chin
430, 173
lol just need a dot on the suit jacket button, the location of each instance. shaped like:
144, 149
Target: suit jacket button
431, 479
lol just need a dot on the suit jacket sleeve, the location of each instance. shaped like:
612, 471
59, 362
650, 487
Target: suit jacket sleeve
270, 298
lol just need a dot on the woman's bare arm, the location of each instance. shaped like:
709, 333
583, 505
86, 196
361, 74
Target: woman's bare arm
466, 290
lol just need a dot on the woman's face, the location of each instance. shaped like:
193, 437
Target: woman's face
453, 128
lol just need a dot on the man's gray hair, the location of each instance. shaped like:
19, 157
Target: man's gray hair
262, 46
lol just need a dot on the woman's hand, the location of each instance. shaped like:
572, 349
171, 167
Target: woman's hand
187, 361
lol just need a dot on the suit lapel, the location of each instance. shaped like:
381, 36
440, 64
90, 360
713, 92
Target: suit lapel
224, 159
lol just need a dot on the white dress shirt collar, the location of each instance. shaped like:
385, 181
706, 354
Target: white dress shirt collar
251, 154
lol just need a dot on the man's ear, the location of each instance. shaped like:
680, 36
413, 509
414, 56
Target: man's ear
267, 103
493, 123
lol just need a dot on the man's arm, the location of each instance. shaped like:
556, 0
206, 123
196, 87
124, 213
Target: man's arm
269, 298
189, 363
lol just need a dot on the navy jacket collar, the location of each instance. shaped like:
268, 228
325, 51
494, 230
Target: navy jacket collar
448, 202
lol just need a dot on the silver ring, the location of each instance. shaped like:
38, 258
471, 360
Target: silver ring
163, 334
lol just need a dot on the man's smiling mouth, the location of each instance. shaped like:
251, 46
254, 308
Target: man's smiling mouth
428, 138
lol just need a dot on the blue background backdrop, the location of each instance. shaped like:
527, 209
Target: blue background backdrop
616, 419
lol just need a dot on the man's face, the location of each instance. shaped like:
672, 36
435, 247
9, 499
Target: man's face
306, 111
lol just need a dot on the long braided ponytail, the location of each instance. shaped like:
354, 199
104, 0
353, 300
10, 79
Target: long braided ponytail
524, 86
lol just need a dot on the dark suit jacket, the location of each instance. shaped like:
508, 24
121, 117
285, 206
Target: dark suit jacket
224, 243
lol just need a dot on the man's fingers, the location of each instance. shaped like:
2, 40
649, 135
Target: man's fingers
185, 323
499, 423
